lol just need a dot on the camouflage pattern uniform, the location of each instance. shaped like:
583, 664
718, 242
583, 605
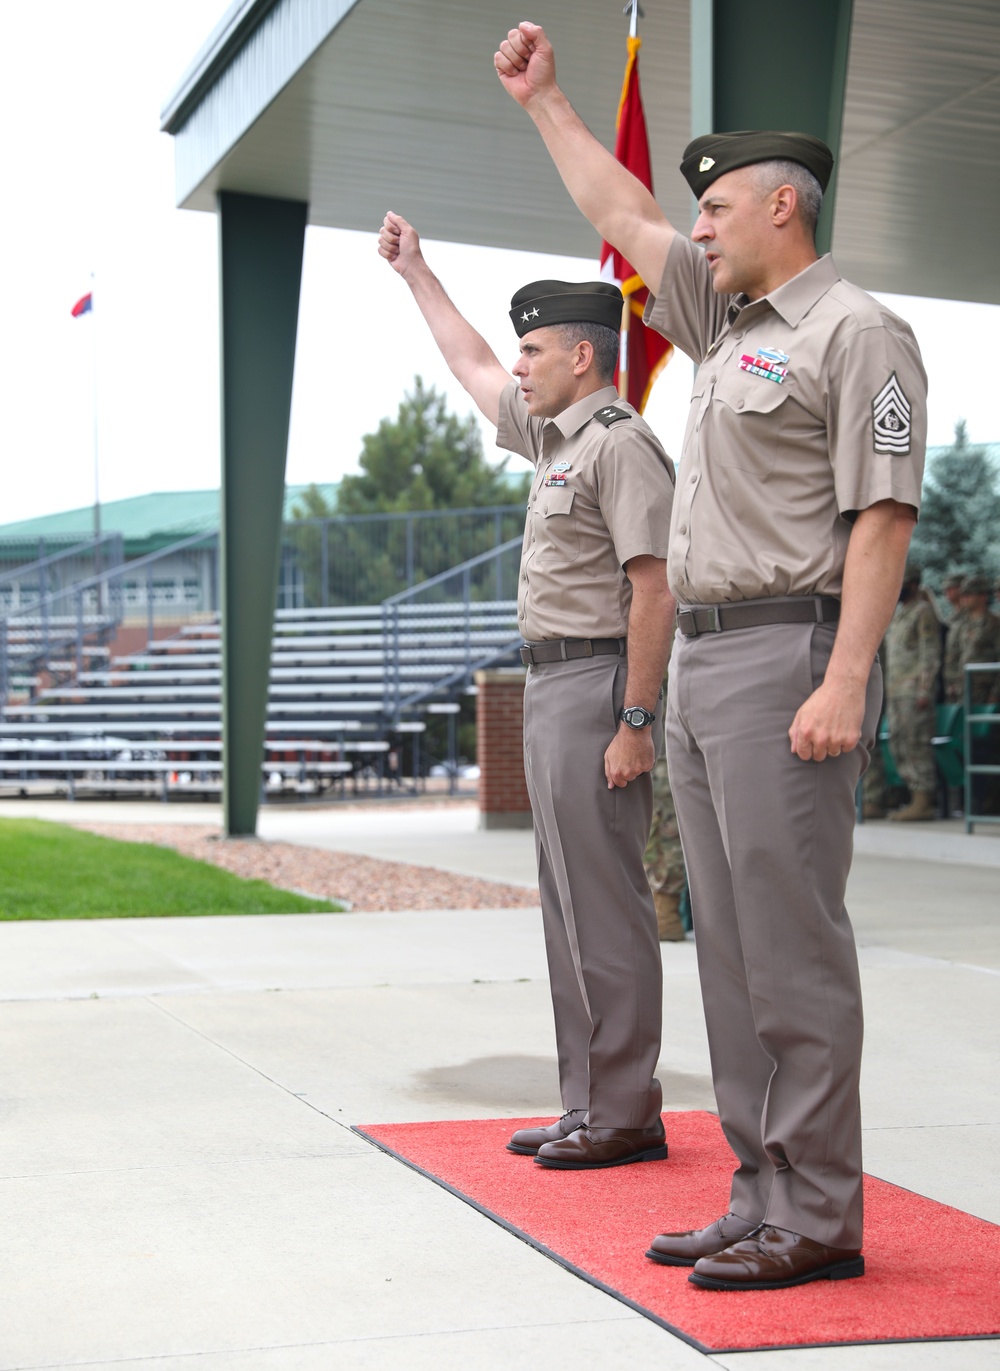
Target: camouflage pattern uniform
914, 652
976, 639
953, 664
663, 859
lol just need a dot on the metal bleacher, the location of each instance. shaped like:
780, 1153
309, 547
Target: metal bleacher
348, 685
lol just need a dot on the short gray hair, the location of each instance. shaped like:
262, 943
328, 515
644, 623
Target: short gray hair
605, 342
768, 176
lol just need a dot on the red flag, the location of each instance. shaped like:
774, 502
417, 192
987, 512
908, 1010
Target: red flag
83, 306
644, 353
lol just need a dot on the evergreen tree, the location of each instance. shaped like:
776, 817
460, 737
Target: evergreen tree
424, 459
959, 528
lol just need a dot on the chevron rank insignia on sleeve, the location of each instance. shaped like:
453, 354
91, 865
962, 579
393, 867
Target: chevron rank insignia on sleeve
610, 414
891, 419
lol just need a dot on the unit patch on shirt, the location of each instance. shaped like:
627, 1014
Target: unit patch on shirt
771, 363
891, 419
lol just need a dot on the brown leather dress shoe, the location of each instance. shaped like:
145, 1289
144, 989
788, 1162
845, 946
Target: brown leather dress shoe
589, 1148
771, 1258
527, 1141
684, 1249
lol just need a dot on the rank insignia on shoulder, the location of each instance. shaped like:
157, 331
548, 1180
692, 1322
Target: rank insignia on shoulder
891, 419
610, 414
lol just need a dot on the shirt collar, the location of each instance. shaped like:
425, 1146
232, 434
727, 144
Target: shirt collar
795, 298
571, 420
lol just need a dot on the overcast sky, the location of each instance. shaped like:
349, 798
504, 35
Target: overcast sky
89, 188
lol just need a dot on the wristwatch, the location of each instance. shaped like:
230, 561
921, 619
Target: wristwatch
636, 717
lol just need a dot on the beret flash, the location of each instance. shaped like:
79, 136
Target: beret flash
713, 154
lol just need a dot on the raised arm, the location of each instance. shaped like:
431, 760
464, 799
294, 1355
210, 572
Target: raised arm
472, 361
619, 207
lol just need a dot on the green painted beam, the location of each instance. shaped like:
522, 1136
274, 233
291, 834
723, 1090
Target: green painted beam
260, 271
778, 67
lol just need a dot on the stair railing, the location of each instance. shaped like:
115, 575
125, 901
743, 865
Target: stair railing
499, 564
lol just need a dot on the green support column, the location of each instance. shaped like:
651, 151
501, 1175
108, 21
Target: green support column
772, 67
260, 260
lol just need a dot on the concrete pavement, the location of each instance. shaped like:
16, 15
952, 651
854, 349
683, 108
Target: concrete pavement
181, 1188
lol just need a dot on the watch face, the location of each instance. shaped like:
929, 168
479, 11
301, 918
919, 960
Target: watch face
637, 717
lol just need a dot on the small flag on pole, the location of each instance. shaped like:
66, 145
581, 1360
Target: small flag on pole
84, 305
644, 353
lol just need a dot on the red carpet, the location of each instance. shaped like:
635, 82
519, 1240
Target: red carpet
931, 1271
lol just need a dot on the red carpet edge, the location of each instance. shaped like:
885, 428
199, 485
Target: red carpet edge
397, 1140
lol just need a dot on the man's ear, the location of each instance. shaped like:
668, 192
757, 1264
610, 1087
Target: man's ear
784, 202
583, 357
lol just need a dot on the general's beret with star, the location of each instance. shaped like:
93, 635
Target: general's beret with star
541, 303
713, 154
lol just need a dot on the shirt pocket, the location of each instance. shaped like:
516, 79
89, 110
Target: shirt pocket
557, 525
749, 418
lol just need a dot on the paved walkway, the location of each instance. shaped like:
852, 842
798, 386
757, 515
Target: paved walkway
181, 1188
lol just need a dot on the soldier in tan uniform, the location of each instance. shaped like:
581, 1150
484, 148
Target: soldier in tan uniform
595, 611
796, 498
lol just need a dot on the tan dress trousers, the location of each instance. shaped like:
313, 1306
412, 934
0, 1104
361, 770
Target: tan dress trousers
768, 840
597, 910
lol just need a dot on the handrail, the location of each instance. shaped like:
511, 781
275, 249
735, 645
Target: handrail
45, 563
986, 717
463, 567
398, 516
123, 569
393, 702
109, 615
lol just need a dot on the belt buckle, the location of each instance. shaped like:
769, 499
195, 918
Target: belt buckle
686, 625
526, 655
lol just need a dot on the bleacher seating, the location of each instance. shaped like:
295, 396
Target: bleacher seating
346, 686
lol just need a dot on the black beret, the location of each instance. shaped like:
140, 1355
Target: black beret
713, 154
565, 302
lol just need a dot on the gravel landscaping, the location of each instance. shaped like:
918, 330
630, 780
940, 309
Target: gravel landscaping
362, 883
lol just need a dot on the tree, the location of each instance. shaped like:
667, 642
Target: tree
424, 459
959, 528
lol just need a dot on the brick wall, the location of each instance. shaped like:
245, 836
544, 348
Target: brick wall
503, 796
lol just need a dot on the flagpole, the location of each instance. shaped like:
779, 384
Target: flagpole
632, 10
93, 358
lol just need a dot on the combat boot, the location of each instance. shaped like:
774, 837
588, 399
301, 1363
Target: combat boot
668, 918
921, 806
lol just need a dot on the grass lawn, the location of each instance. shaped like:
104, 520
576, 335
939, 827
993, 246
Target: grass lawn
49, 871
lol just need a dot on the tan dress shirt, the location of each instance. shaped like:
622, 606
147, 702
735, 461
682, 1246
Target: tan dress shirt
600, 496
808, 406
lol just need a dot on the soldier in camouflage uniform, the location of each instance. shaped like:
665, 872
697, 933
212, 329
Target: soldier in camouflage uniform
955, 622
663, 860
974, 637
914, 652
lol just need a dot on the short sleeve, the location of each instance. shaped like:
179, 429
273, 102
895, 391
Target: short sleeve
877, 416
635, 490
517, 431
686, 308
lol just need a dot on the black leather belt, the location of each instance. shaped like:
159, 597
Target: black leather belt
807, 609
568, 649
